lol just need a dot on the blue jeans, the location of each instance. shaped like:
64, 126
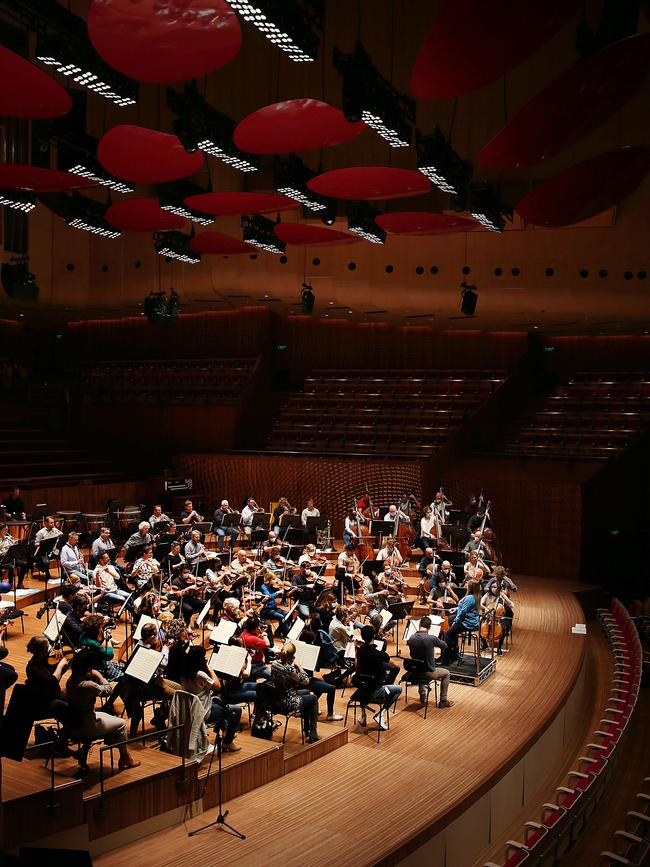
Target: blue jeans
222, 532
259, 669
243, 693
347, 538
226, 718
386, 695
119, 597
320, 687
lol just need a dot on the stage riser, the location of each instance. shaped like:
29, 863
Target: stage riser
242, 777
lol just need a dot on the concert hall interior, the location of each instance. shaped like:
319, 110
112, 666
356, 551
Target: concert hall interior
325, 388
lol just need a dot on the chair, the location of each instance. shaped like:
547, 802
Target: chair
415, 675
268, 698
365, 688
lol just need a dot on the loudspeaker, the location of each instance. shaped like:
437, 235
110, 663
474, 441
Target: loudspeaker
468, 302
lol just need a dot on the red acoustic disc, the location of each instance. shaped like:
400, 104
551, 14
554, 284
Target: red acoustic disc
424, 223
146, 156
304, 235
217, 244
14, 177
231, 204
28, 91
586, 189
571, 106
473, 43
370, 182
142, 215
162, 41
294, 125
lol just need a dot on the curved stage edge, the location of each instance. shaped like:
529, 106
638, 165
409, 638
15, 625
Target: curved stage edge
434, 791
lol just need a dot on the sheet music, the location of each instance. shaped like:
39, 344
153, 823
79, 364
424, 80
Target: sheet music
379, 643
413, 626
54, 627
307, 655
350, 651
143, 664
385, 617
296, 630
223, 631
204, 611
137, 635
228, 659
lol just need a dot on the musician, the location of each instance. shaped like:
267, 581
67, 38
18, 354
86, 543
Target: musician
231, 610
72, 627
352, 521
158, 517
271, 610
347, 558
19, 567
465, 618
6, 540
142, 536
341, 630
221, 531
102, 543
422, 647
427, 530
372, 663
241, 564
389, 553
199, 679
247, 513
184, 590
500, 575
174, 559
476, 522
303, 581
390, 668
497, 597
189, 515
15, 506
374, 597
472, 567
426, 561
72, 560
396, 516
145, 570
63, 600
162, 685
442, 594
43, 680
283, 508
272, 542
41, 557
408, 503
276, 564
310, 556
166, 537
286, 675
195, 551
256, 644
475, 543
108, 580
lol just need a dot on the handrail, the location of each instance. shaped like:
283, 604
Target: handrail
118, 744
51, 804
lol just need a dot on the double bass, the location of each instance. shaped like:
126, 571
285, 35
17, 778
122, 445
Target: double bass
402, 537
363, 547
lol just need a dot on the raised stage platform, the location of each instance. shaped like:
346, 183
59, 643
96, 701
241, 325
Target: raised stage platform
436, 790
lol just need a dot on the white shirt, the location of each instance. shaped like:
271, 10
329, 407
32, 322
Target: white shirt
106, 576
393, 557
44, 533
247, 515
308, 513
427, 525
71, 558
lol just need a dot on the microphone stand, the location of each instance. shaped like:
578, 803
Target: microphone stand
220, 821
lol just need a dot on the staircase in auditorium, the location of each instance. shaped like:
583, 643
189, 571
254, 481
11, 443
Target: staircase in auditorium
407, 413
591, 416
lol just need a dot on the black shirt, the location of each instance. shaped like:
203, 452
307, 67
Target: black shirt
422, 645
14, 507
372, 663
422, 565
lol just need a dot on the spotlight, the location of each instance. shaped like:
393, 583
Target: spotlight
307, 299
468, 298
175, 245
187, 213
260, 232
199, 126
328, 216
159, 309
18, 281
72, 56
369, 97
102, 178
286, 23
361, 222
88, 215
487, 208
291, 176
76, 152
172, 199
439, 162
18, 200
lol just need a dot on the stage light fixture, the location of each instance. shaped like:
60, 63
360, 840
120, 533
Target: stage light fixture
307, 299
18, 200
290, 25
186, 213
175, 245
88, 215
72, 56
328, 216
18, 281
468, 298
161, 309
438, 161
199, 126
260, 232
361, 222
291, 176
97, 177
172, 199
370, 97
486, 207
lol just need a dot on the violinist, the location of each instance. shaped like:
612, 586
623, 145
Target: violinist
304, 584
271, 611
390, 554
160, 687
310, 556
500, 611
218, 527
256, 644
374, 596
391, 580
231, 610
174, 560
277, 564
96, 637
241, 564
184, 589
72, 628
273, 541
427, 530
347, 558
341, 630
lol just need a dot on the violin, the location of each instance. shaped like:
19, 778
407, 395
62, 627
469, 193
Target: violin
57, 653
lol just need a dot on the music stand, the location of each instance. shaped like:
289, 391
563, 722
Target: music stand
372, 567
380, 529
400, 611
132, 553
260, 519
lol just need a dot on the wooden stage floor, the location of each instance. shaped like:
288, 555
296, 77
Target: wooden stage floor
365, 803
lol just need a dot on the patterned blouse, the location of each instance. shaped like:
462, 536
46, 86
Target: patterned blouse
285, 677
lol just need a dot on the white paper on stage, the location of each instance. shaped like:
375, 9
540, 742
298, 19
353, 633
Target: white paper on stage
144, 663
291, 610
228, 659
385, 617
55, 626
296, 630
223, 631
204, 611
144, 619
379, 643
413, 626
307, 655
350, 651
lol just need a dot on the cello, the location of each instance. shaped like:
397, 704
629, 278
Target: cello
402, 537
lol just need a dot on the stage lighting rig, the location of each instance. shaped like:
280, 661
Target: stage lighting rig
290, 25
291, 176
370, 97
175, 245
172, 199
438, 161
486, 207
199, 126
18, 200
160, 309
260, 232
89, 215
361, 222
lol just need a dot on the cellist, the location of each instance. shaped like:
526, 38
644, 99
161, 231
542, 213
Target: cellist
499, 610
